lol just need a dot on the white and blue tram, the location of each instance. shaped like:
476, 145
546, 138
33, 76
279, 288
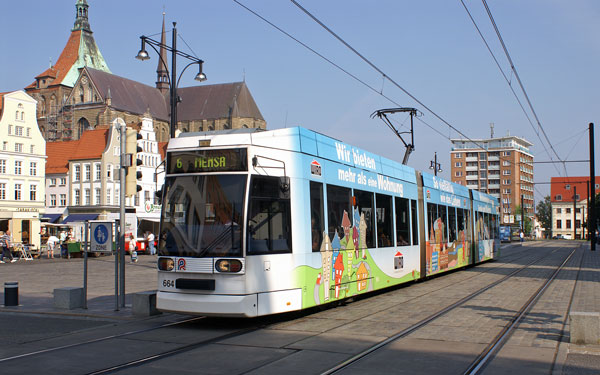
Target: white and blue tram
263, 222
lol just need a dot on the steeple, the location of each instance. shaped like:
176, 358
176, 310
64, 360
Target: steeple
162, 72
81, 17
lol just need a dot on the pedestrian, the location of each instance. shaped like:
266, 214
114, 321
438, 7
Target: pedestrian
521, 235
63, 244
52, 241
151, 243
5, 245
132, 249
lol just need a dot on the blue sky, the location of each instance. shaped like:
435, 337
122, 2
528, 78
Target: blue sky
429, 47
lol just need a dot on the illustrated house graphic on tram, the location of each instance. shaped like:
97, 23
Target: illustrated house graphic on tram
361, 277
339, 271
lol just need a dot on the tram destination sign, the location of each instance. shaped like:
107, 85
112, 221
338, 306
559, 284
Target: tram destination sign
225, 160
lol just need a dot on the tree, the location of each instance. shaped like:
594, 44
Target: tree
528, 224
544, 214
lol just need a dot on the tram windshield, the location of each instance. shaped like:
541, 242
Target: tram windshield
202, 216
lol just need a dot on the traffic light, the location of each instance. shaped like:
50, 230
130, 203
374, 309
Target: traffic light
132, 149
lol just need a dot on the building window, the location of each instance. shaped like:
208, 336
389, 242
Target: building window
98, 196
88, 172
33, 168
109, 171
506, 172
31, 149
87, 197
19, 131
458, 165
558, 210
2, 191
53, 182
18, 147
63, 200
63, 181
98, 168
77, 175
146, 196
458, 155
568, 224
17, 192
52, 200
505, 153
28, 132
108, 196
32, 191
558, 224
559, 197
568, 210
458, 173
577, 197
506, 163
18, 166
77, 197
2, 166
567, 187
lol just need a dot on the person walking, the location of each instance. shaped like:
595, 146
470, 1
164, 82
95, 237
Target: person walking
151, 243
521, 235
132, 249
5, 245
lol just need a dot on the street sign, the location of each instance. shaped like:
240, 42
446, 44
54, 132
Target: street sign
101, 241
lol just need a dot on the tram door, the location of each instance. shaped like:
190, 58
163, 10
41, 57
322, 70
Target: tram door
25, 230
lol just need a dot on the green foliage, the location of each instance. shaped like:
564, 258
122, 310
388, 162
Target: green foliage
544, 214
528, 222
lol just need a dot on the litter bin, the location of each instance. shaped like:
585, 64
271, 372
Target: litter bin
11, 293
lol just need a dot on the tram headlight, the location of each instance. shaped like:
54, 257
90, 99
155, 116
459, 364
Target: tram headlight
228, 265
166, 264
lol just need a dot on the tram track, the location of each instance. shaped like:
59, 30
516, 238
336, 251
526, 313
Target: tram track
487, 354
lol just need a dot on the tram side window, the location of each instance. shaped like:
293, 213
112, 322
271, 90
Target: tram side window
461, 225
364, 200
414, 221
451, 224
385, 235
402, 222
269, 219
338, 203
432, 217
480, 226
442, 213
488, 228
316, 214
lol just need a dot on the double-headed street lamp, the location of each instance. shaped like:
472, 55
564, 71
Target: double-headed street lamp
174, 81
437, 167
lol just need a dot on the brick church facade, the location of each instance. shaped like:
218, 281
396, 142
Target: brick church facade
80, 93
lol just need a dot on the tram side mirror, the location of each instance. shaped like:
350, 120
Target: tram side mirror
158, 194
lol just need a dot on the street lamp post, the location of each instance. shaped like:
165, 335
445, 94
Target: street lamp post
174, 81
437, 167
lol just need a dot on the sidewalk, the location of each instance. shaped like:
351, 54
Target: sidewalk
39, 277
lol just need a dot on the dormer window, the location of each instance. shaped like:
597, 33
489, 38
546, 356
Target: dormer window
567, 187
559, 197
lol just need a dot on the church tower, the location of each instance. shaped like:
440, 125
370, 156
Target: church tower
162, 71
52, 87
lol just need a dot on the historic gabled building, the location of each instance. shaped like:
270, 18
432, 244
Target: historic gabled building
79, 93
22, 166
53, 86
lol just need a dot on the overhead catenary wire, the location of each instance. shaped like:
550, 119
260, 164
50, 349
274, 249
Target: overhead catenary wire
514, 69
385, 76
508, 81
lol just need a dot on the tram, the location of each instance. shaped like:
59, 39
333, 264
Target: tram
264, 222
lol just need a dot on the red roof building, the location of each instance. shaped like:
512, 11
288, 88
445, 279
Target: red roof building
568, 196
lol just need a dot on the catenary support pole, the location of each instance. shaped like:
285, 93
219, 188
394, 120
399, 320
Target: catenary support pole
592, 213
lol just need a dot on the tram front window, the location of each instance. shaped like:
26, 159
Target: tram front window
202, 216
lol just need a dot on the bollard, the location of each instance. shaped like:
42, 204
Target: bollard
11, 293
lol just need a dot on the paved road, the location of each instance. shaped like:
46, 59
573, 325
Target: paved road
299, 343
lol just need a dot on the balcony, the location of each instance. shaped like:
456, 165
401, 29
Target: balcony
493, 158
471, 168
473, 177
471, 158
494, 186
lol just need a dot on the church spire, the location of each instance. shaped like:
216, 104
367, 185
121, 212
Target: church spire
81, 16
162, 72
